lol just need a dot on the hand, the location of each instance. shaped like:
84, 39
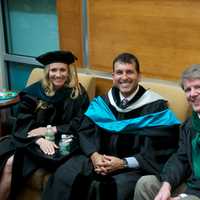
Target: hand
164, 192
47, 147
112, 163
97, 159
109, 164
41, 131
37, 132
98, 163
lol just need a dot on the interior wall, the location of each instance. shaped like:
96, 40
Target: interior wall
163, 34
70, 26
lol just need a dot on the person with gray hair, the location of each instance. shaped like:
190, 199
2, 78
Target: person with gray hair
184, 165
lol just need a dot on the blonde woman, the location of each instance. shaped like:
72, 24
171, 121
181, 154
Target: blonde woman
57, 100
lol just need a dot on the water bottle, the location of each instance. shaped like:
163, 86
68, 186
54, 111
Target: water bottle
49, 135
64, 144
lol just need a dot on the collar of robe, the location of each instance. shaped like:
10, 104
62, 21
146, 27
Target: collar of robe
102, 116
36, 90
115, 99
142, 98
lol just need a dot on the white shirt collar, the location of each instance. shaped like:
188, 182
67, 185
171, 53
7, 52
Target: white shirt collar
129, 97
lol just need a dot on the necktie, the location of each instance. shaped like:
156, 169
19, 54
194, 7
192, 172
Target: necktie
124, 103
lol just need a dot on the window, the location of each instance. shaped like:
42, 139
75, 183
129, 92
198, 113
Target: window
31, 29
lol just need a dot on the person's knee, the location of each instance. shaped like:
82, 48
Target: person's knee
146, 182
146, 188
191, 197
9, 165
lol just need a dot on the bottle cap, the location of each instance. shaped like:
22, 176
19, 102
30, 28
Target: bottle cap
63, 136
48, 126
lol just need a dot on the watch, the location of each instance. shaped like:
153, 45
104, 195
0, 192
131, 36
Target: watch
125, 163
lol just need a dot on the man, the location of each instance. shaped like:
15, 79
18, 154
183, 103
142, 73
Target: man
184, 165
125, 134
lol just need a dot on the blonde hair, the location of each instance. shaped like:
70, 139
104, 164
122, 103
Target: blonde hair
71, 82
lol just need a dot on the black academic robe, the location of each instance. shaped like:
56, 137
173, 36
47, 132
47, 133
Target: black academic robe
76, 178
59, 110
179, 166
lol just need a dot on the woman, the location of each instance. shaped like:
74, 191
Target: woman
57, 100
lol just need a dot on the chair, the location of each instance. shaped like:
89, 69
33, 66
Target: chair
173, 93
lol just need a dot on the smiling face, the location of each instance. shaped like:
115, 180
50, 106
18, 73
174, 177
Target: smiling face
192, 91
125, 77
58, 74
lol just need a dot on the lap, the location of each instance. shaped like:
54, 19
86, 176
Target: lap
72, 167
119, 185
190, 197
148, 186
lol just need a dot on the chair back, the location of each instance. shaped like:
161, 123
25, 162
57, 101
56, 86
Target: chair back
173, 94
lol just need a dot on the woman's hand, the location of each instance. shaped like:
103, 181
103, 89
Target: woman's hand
37, 132
48, 147
41, 131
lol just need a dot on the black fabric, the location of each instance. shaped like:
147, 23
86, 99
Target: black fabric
17, 172
57, 56
150, 151
64, 113
83, 187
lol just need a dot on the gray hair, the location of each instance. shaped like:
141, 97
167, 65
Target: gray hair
192, 72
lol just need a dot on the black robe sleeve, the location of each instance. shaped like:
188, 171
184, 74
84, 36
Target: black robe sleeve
178, 166
89, 137
25, 120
